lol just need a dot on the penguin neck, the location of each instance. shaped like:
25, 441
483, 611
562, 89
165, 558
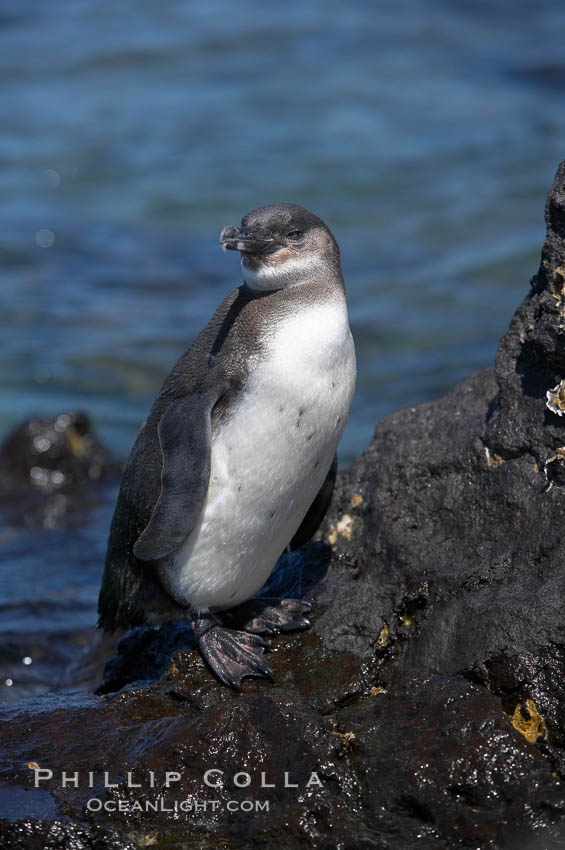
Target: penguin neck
292, 272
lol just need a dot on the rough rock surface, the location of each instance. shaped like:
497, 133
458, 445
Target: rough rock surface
429, 696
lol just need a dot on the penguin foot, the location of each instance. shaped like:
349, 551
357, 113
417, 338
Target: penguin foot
270, 617
232, 655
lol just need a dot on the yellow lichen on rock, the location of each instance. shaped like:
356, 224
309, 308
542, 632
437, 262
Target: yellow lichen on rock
332, 535
558, 289
76, 442
343, 528
529, 722
142, 840
406, 620
376, 690
383, 639
347, 738
356, 500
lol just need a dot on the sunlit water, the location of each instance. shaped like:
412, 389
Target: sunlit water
425, 133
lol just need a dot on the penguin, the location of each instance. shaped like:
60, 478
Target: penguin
237, 458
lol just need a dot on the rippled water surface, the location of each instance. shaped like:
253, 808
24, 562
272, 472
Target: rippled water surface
425, 133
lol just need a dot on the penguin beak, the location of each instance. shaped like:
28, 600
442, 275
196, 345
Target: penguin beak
248, 240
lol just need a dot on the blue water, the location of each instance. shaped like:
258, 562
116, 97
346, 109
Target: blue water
426, 133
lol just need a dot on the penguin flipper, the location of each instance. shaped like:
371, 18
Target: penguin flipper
185, 437
317, 510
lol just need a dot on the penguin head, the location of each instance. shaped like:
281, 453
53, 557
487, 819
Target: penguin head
282, 245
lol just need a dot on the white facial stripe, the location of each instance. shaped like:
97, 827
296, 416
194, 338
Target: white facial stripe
277, 277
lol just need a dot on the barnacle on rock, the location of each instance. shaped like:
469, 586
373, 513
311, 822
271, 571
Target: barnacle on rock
554, 468
555, 399
493, 460
559, 456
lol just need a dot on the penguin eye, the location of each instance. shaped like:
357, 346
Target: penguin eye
295, 234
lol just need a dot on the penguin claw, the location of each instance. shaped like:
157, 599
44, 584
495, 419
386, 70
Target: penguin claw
258, 617
233, 655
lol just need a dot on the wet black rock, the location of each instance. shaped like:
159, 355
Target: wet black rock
61, 835
426, 706
144, 654
53, 453
48, 467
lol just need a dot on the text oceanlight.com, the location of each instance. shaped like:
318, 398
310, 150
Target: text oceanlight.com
160, 804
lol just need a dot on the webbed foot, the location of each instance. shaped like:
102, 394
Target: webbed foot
269, 616
231, 655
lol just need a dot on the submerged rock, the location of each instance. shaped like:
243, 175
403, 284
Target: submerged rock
47, 465
426, 706
52, 453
